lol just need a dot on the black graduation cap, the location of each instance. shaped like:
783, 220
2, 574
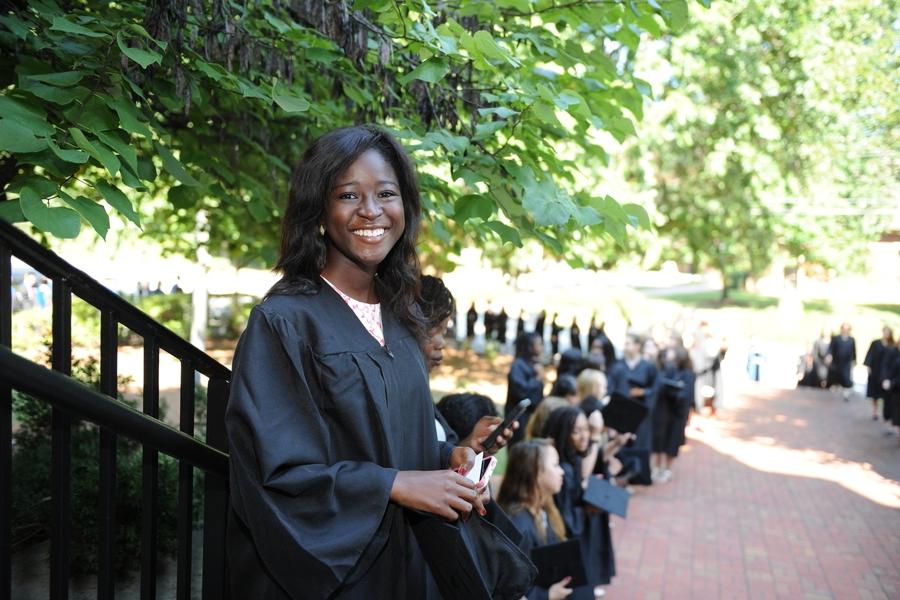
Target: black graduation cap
624, 414
556, 561
471, 560
604, 495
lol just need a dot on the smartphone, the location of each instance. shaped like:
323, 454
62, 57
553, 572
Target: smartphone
510, 418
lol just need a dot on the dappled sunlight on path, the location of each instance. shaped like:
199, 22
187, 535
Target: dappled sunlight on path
789, 494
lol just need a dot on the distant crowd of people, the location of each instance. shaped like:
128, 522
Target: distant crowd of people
830, 361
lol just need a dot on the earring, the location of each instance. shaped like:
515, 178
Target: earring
322, 230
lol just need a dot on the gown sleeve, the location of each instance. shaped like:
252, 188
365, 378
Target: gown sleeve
568, 500
311, 518
523, 384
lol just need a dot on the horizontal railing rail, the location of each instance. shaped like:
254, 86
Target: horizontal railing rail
82, 402
90, 290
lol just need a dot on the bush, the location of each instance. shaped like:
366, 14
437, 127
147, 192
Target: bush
31, 474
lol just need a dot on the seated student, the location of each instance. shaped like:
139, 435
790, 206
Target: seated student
571, 435
533, 477
472, 416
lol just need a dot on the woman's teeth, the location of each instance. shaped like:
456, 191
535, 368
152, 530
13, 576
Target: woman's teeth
369, 232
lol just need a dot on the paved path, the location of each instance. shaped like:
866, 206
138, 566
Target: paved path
791, 494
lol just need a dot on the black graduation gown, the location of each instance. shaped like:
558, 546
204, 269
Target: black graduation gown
875, 361
539, 324
501, 325
555, 330
524, 522
471, 319
320, 420
575, 336
591, 527
621, 381
522, 382
891, 372
843, 355
672, 409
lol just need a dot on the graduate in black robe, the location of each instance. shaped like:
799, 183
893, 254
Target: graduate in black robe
471, 319
575, 334
520, 323
533, 476
490, 323
568, 428
525, 378
633, 377
539, 324
841, 358
501, 324
593, 331
330, 422
874, 361
555, 330
604, 344
674, 394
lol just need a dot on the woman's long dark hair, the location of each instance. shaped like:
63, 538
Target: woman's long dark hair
303, 248
559, 428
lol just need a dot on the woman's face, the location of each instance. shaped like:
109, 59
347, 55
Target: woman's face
364, 214
434, 345
550, 475
580, 437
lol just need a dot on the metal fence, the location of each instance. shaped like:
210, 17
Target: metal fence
71, 400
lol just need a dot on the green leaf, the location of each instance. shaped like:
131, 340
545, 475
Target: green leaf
127, 152
65, 79
500, 111
92, 212
291, 104
639, 215
94, 116
258, 210
128, 117
11, 211
473, 206
251, 90
16, 26
144, 58
43, 186
119, 201
18, 138
72, 156
26, 115
56, 95
59, 221
547, 204
452, 143
61, 24
182, 196
174, 166
486, 130
430, 71
489, 47
507, 234
97, 152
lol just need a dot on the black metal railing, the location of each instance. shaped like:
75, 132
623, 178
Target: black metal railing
150, 431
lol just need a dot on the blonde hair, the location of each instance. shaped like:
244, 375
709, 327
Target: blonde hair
591, 382
540, 414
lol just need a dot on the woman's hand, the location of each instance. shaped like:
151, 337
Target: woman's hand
483, 429
444, 493
560, 589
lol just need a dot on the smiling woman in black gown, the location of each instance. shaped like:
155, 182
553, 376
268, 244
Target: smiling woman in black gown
330, 420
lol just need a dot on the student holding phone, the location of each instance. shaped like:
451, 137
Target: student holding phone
330, 420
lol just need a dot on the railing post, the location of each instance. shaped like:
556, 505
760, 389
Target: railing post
150, 485
215, 500
61, 469
109, 350
185, 523
5, 428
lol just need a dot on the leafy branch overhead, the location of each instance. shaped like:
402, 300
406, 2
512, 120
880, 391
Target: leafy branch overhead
161, 110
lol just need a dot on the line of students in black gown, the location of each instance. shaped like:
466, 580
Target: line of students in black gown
571, 416
830, 361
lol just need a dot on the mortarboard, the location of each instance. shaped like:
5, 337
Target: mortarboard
604, 495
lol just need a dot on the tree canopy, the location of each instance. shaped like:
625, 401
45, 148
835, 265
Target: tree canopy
191, 114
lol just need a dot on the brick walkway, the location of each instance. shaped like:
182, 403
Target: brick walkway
790, 494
